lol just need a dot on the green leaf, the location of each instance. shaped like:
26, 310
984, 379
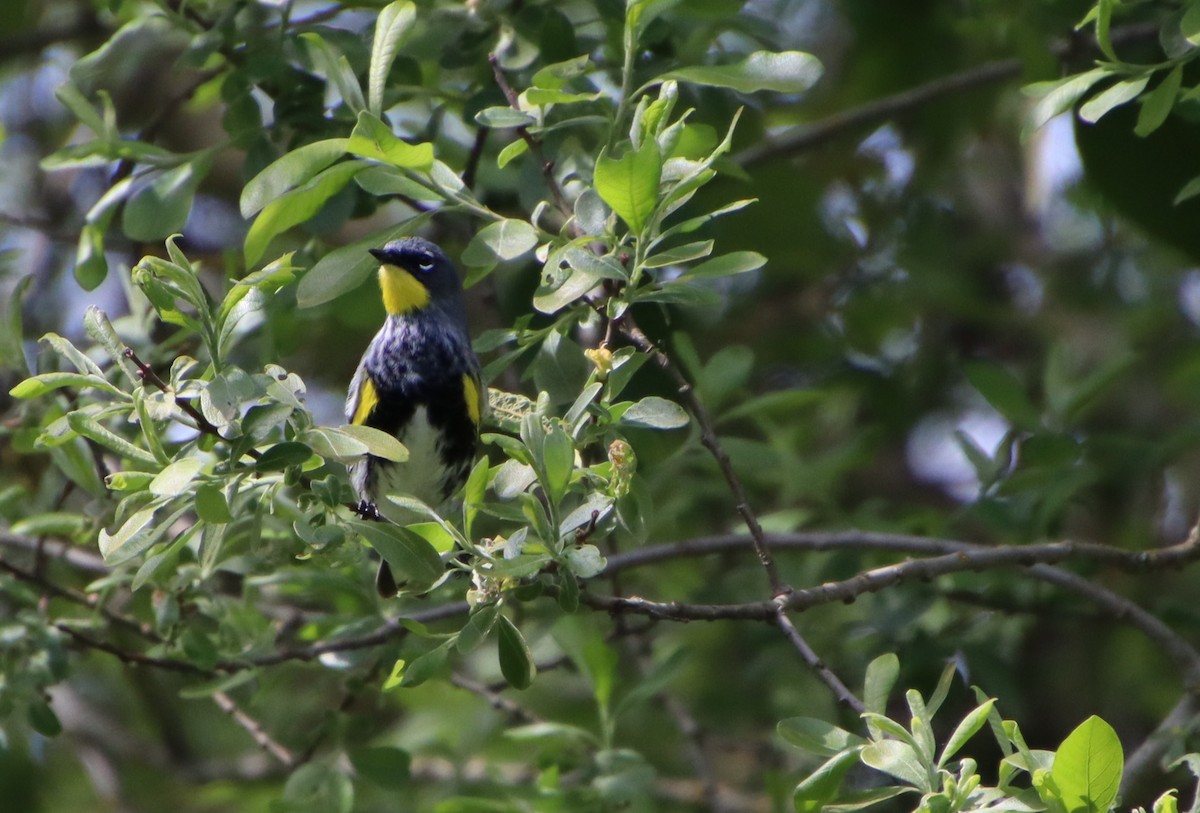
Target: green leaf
478, 628
820, 787
423, 667
384, 765
1189, 24
82, 108
346, 268
98, 326
158, 209
90, 428
317, 787
373, 139
737, 262
1004, 392
282, 455
965, 730
1190, 190
289, 171
43, 720
558, 74
1120, 93
558, 461
415, 563
679, 254
817, 736
502, 117
56, 523
211, 505
629, 184
39, 385
584, 561
379, 443
516, 661
12, 335
501, 241
783, 72
1157, 104
881, 677
390, 27
900, 760
135, 535
1087, 767
512, 149
1060, 95
296, 206
337, 70
69, 352
653, 412
332, 444
174, 479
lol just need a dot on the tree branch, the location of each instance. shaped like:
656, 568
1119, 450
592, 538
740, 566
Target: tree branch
254, 729
872, 114
535, 144
708, 437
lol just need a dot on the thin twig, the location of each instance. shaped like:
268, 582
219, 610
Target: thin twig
146, 373
535, 144
254, 729
131, 658
49, 588
708, 437
495, 699
471, 169
840, 690
875, 113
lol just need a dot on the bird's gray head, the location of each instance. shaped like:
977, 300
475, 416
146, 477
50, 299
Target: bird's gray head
414, 273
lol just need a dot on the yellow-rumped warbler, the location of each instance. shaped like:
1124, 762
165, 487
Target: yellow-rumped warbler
418, 380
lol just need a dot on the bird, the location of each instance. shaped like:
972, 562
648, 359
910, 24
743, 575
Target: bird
418, 380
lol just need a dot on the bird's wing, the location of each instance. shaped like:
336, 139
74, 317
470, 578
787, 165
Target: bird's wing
363, 397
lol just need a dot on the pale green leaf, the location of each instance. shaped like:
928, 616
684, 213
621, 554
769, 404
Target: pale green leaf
501, 241
373, 139
288, 172
629, 184
653, 412
297, 206
390, 27
783, 72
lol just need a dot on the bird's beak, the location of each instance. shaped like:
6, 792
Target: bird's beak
378, 254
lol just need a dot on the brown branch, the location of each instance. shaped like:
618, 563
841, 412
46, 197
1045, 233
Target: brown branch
51, 589
254, 729
966, 558
75, 556
495, 699
146, 373
875, 113
840, 690
131, 658
535, 145
708, 437
471, 169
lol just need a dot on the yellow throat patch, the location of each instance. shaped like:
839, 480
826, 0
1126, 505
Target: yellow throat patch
402, 293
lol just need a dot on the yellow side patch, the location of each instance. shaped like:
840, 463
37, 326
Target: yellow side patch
401, 291
471, 393
368, 397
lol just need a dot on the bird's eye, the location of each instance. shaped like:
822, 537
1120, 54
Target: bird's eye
425, 263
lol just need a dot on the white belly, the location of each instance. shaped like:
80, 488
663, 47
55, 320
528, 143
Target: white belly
421, 476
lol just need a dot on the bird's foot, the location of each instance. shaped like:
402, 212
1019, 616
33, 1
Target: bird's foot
368, 511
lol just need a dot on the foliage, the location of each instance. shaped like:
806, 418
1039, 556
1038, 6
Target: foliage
694, 348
